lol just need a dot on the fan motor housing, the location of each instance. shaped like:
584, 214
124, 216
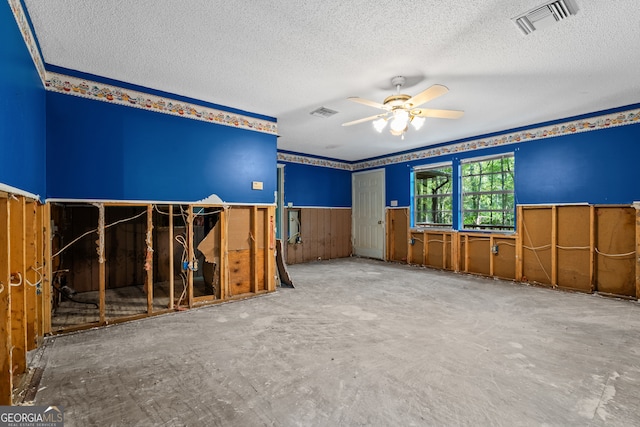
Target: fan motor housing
396, 100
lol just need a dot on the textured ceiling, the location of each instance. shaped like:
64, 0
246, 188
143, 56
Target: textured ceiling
285, 58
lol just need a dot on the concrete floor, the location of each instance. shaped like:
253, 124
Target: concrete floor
360, 342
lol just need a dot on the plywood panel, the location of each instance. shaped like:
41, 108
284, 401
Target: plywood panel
6, 379
573, 250
479, 255
309, 226
435, 247
239, 226
417, 248
615, 244
240, 271
398, 224
536, 239
504, 262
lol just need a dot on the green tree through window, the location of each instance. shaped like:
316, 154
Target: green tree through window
433, 197
488, 193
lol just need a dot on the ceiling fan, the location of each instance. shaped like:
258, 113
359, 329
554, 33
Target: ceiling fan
401, 109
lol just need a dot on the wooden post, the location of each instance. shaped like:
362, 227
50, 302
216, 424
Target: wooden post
224, 254
102, 276
491, 255
455, 251
46, 271
6, 377
18, 293
637, 250
30, 274
592, 249
425, 247
519, 243
149, 259
269, 248
444, 251
190, 255
171, 261
40, 232
554, 245
466, 253
253, 249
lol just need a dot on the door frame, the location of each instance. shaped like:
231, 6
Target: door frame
382, 207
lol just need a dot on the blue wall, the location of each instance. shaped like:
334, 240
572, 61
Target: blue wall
307, 185
22, 111
98, 150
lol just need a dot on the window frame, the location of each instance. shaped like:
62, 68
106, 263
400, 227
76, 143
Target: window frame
504, 228
415, 197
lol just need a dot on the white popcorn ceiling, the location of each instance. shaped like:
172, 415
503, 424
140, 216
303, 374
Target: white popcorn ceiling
286, 58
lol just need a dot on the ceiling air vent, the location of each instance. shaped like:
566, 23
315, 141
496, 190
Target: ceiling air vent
545, 15
323, 112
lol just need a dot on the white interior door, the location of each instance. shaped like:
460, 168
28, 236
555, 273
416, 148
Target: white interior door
368, 213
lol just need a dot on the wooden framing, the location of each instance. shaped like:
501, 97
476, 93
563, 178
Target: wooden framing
149, 259
18, 285
172, 273
6, 376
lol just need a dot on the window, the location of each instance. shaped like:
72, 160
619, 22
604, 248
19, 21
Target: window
487, 193
433, 196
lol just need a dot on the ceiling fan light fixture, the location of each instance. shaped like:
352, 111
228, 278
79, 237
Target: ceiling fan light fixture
400, 120
417, 122
380, 124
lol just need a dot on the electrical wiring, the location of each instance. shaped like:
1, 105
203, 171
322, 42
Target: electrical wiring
16, 284
95, 230
615, 255
37, 270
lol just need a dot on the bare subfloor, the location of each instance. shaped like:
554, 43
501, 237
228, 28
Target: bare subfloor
360, 342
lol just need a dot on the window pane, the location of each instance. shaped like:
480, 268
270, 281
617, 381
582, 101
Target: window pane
487, 194
433, 196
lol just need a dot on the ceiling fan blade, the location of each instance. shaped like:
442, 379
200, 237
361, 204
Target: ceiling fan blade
367, 102
366, 119
440, 114
427, 95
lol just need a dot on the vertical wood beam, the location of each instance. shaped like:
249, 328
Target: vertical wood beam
425, 247
6, 377
519, 242
46, 271
466, 253
444, 251
592, 248
253, 249
172, 273
270, 248
637, 250
31, 275
554, 245
224, 254
491, 255
149, 259
41, 265
455, 251
18, 293
190, 255
102, 274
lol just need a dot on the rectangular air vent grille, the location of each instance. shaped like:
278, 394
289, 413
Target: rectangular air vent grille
323, 112
544, 15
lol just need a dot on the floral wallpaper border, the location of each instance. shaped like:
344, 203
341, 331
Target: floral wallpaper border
584, 125
27, 35
112, 94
